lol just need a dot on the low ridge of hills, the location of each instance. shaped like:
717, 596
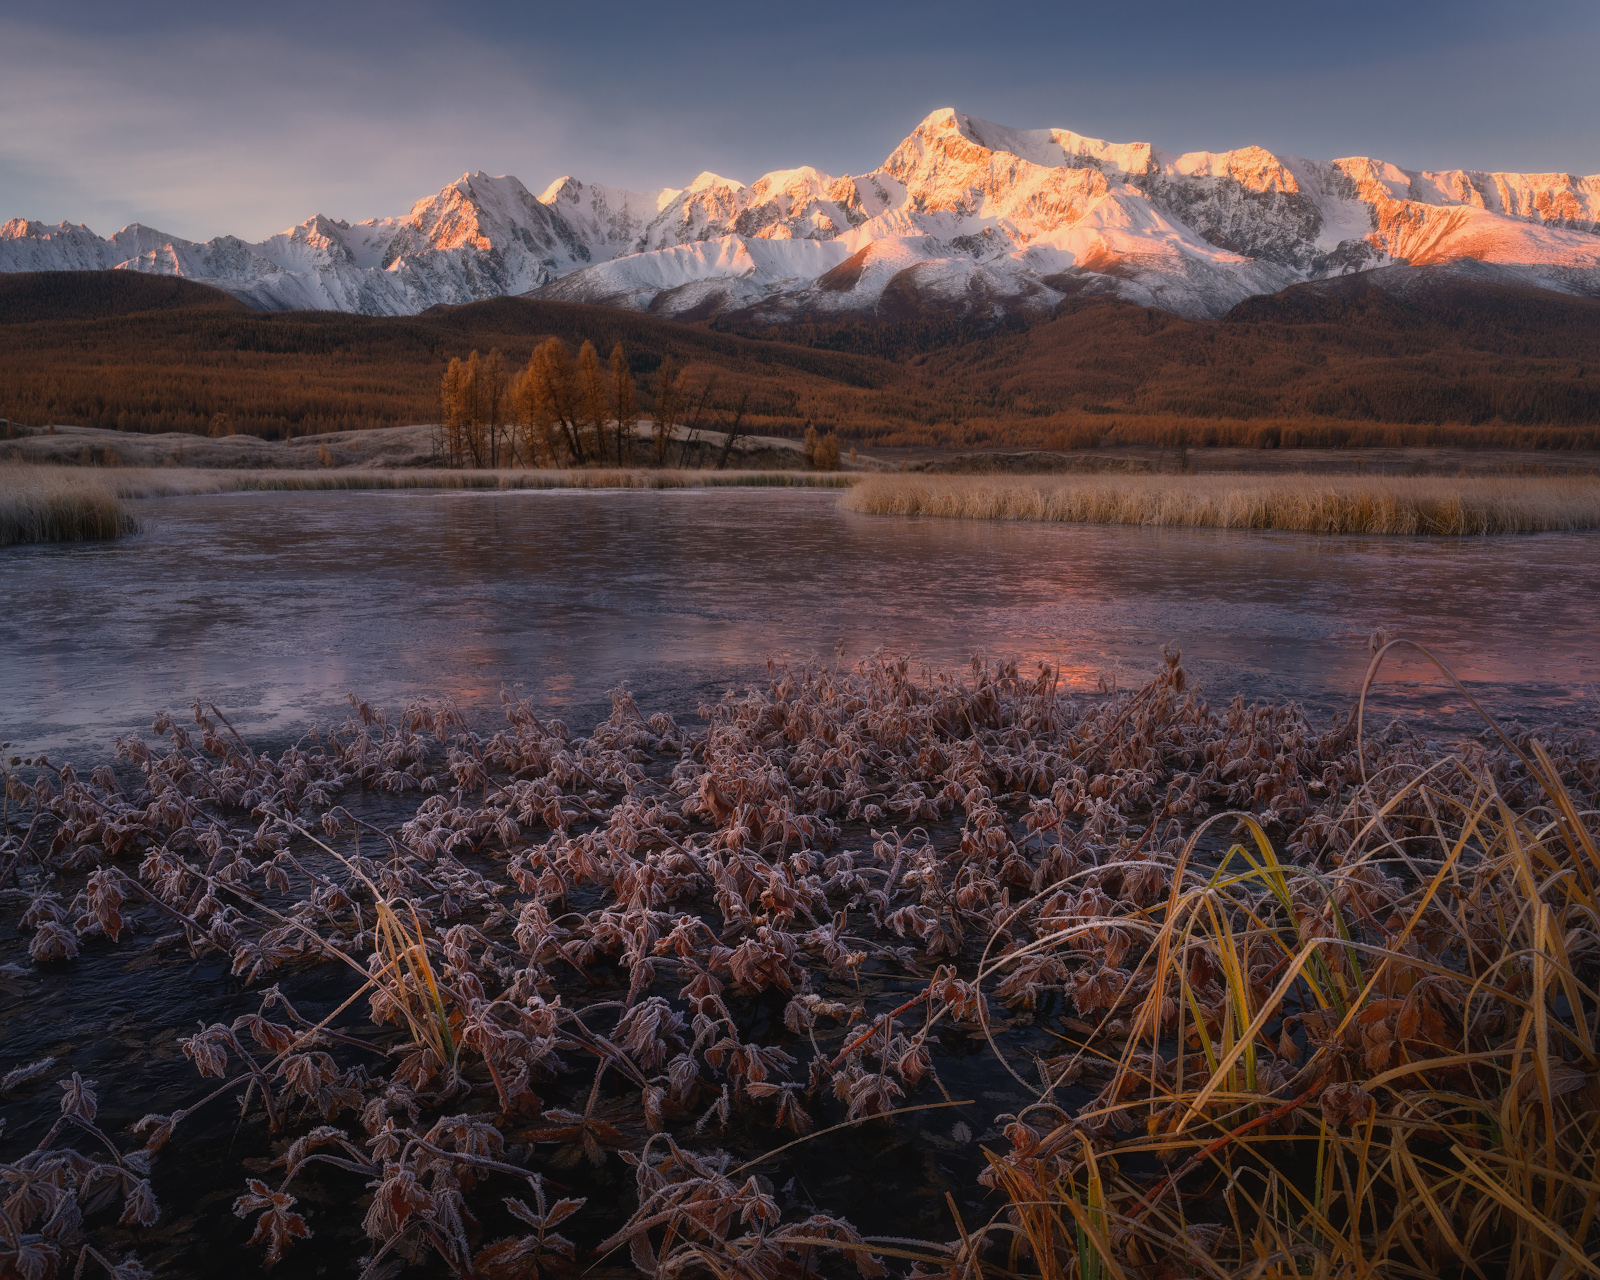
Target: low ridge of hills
1443, 354
965, 218
29, 297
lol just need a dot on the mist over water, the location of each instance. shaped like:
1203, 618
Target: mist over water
274, 605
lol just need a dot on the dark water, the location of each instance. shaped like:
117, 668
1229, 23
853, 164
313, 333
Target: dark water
275, 605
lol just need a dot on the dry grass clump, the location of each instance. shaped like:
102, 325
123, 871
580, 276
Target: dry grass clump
1276, 999
1383, 1063
1422, 505
53, 504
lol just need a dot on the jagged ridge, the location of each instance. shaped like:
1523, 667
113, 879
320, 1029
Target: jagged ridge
965, 216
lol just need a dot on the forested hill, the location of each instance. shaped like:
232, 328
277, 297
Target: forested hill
32, 296
1335, 351
1422, 358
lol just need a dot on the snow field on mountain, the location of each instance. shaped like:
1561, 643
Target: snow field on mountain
984, 218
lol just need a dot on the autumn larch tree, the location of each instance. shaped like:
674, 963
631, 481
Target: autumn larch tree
827, 455
731, 431
489, 407
594, 402
473, 397
624, 403
549, 403
453, 407
694, 418
668, 404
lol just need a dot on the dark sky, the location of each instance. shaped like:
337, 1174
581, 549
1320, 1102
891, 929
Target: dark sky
246, 118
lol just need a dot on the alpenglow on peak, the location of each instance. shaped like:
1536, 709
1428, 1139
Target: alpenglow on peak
965, 216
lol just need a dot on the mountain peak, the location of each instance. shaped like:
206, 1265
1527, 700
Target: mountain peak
565, 187
706, 180
966, 215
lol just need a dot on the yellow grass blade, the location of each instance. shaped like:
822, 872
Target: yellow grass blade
1268, 1008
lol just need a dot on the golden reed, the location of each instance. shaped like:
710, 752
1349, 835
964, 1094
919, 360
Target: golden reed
59, 504
1416, 505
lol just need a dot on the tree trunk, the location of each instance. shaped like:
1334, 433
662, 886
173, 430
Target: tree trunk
733, 432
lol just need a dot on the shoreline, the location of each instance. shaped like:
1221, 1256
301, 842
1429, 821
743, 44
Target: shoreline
41, 503
47, 503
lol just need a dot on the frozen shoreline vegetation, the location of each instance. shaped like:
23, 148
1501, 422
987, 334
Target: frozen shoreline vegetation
67, 504
60, 504
1407, 505
1269, 995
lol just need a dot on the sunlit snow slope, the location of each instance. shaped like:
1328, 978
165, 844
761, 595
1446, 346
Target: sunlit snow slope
965, 216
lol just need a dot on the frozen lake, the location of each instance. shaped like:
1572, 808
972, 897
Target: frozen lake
274, 605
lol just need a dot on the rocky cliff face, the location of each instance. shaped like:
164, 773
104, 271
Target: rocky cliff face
965, 215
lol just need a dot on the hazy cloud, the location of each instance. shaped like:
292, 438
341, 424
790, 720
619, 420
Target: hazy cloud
201, 122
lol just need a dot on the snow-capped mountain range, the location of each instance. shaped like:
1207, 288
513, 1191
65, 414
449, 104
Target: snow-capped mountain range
964, 216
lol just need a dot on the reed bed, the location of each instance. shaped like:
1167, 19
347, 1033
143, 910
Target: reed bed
1405, 505
51, 504
1271, 998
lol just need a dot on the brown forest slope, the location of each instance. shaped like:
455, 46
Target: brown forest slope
29, 296
1336, 362
1339, 352
302, 372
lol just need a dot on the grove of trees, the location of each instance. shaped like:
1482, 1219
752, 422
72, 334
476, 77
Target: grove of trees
555, 411
558, 411
822, 451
